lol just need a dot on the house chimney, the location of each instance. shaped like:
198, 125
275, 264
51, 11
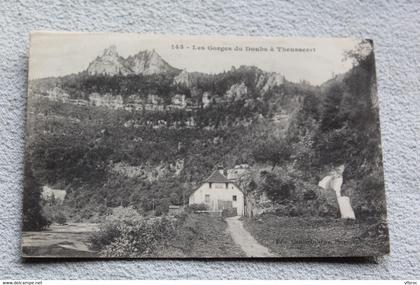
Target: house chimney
221, 171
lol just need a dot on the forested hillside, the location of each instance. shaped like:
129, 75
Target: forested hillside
341, 127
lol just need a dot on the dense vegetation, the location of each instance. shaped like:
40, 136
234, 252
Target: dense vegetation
33, 217
125, 233
78, 148
341, 127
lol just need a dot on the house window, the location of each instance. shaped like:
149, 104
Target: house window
207, 198
234, 197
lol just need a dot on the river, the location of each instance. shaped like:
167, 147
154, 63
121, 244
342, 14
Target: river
70, 240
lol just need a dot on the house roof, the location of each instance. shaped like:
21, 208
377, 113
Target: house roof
217, 177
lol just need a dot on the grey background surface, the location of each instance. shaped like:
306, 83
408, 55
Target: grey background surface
394, 27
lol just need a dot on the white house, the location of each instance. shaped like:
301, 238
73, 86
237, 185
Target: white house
219, 193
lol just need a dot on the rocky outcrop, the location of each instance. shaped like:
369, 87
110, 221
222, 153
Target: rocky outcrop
147, 171
183, 78
145, 62
269, 80
306, 199
110, 63
237, 92
148, 62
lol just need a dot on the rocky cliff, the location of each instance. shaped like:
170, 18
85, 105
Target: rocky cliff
110, 63
269, 80
148, 62
145, 62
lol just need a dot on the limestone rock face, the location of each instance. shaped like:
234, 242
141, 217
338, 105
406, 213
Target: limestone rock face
145, 62
183, 78
148, 62
110, 63
270, 80
237, 91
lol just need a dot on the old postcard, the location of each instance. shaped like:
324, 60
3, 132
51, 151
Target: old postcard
178, 146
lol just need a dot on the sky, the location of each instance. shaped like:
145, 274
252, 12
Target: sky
56, 54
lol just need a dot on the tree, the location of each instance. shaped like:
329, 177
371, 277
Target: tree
349, 128
174, 198
33, 218
331, 118
273, 150
360, 53
277, 189
163, 207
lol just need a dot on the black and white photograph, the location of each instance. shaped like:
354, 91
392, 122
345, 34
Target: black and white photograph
147, 146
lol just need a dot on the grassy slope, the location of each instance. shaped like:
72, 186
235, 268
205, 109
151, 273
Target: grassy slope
297, 237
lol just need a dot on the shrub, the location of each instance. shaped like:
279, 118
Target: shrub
230, 212
278, 189
309, 195
163, 207
175, 199
60, 218
196, 207
128, 215
142, 239
368, 198
33, 218
127, 234
108, 233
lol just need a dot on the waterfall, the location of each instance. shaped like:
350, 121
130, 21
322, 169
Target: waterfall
346, 210
334, 181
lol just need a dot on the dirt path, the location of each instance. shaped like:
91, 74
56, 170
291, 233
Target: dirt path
245, 240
